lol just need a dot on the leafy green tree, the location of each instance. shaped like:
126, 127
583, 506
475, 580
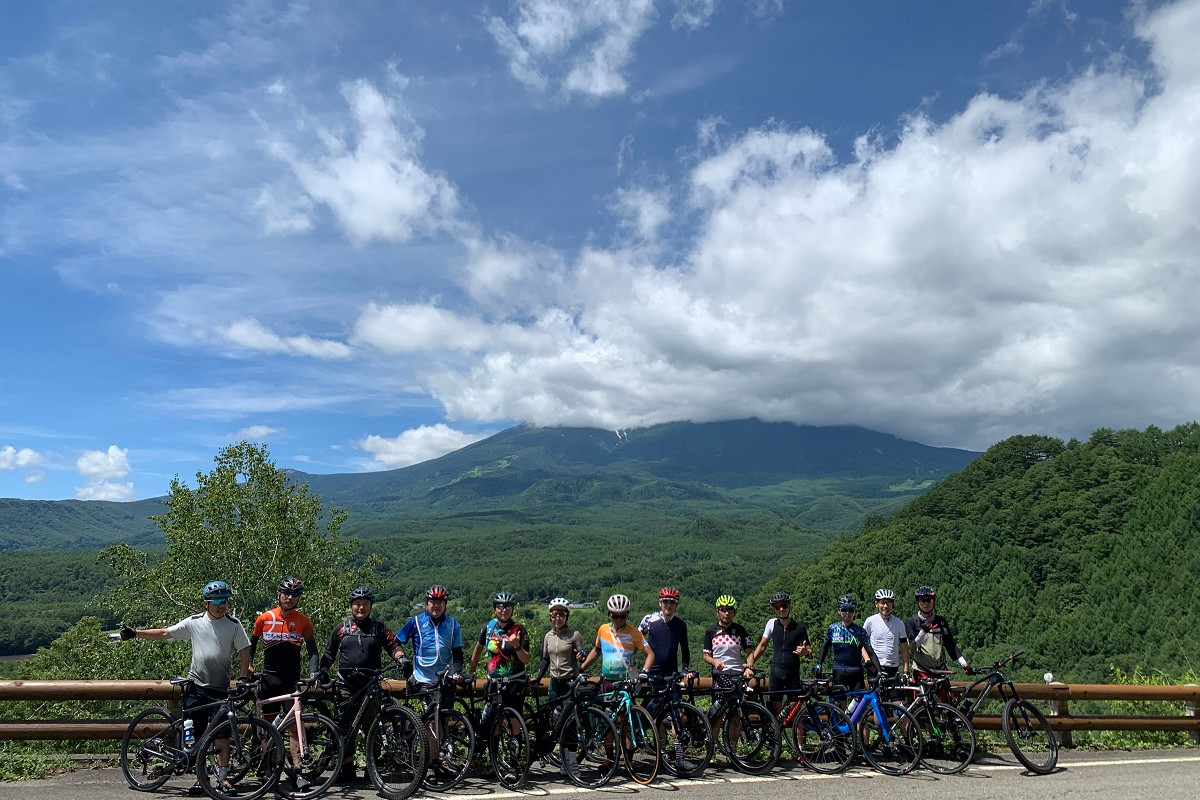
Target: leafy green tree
246, 523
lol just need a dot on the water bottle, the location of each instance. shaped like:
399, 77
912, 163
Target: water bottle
850, 708
189, 735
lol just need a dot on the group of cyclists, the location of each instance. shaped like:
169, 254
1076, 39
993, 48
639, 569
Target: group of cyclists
884, 644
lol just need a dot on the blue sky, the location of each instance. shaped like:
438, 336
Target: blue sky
368, 234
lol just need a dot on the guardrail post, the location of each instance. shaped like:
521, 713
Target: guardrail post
1189, 710
1059, 708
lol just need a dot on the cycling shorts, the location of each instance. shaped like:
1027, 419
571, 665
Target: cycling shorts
197, 695
783, 678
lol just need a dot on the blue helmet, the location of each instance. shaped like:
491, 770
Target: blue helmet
217, 590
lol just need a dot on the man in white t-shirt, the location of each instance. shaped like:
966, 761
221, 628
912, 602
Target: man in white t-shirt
889, 637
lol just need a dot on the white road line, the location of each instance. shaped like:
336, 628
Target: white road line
628, 787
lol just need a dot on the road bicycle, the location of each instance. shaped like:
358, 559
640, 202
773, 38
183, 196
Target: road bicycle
577, 726
314, 744
818, 732
153, 748
1025, 728
502, 729
685, 738
948, 737
397, 742
749, 731
451, 734
888, 735
636, 729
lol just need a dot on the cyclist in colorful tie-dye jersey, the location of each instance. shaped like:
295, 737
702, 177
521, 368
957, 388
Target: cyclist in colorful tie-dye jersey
507, 646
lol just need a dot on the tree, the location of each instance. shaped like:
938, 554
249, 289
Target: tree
246, 523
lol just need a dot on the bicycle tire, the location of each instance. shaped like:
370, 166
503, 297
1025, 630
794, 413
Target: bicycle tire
320, 760
948, 738
397, 752
256, 758
508, 748
639, 745
892, 745
148, 759
757, 747
1029, 736
686, 752
452, 755
824, 737
591, 735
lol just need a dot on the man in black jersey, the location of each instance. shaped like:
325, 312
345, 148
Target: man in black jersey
789, 642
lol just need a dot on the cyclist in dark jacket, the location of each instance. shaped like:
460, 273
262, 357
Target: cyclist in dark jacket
357, 646
929, 636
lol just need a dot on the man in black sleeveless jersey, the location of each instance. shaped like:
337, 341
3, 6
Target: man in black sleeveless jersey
789, 642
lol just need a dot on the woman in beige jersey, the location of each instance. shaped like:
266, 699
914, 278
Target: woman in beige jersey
562, 650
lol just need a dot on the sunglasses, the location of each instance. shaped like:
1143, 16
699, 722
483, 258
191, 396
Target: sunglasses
782, 606
727, 609
504, 605
845, 609
619, 616
558, 613
670, 600
290, 594
924, 599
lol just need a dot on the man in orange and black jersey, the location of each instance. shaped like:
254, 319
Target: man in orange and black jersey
283, 631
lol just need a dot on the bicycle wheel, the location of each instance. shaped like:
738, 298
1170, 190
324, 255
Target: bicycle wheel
751, 736
639, 744
397, 752
824, 737
508, 748
452, 753
319, 757
948, 738
588, 748
254, 760
150, 748
893, 744
1029, 736
686, 739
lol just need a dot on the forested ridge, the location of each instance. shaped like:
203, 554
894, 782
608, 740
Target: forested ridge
1083, 553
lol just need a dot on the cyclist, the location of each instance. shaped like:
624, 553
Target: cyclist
357, 645
889, 637
616, 643
506, 643
849, 642
667, 634
789, 642
283, 631
562, 650
215, 635
930, 636
724, 643
437, 644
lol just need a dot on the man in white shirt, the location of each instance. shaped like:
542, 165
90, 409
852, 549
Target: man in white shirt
889, 637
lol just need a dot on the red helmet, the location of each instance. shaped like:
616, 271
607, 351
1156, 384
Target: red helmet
668, 592
437, 593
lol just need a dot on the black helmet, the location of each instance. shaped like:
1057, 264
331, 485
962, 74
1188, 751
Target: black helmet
437, 593
847, 603
504, 599
362, 593
780, 597
925, 591
291, 585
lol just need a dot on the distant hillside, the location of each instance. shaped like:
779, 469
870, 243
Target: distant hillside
1085, 554
827, 479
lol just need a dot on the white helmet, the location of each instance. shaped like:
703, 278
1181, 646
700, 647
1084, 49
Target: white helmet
618, 603
560, 602
885, 594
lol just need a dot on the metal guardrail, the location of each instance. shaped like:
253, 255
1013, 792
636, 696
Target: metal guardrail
1059, 695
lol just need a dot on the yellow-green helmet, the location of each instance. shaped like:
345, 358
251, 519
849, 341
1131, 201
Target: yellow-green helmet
726, 601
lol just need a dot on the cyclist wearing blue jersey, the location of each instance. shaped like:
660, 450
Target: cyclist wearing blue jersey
436, 642
667, 634
849, 642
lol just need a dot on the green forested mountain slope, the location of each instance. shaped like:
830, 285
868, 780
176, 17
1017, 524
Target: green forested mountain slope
1086, 554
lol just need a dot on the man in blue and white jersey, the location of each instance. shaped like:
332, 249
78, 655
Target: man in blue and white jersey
436, 641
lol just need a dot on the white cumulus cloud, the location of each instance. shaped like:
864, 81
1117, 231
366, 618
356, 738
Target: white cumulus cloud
104, 464
417, 444
105, 490
25, 458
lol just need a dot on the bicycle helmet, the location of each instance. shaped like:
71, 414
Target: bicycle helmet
291, 585
726, 601
437, 593
217, 590
925, 591
847, 603
362, 593
560, 602
618, 604
668, 593
885, 594
504, 599
781, 597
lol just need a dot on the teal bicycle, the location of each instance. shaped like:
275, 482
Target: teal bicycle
635, 729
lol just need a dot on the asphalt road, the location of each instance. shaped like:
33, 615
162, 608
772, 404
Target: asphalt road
1148, 774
